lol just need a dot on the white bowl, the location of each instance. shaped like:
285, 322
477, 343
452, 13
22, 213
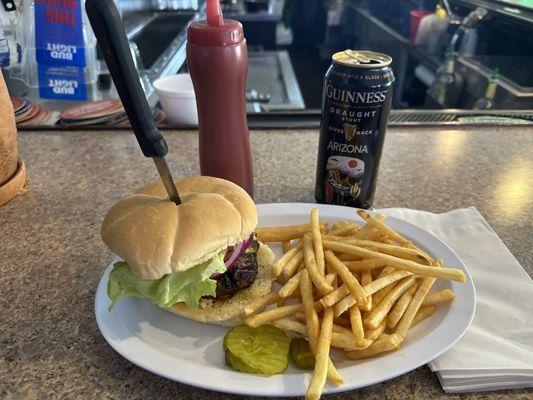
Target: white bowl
176, 94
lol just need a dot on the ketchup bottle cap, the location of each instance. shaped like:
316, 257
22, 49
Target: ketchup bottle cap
202, 34
214, 30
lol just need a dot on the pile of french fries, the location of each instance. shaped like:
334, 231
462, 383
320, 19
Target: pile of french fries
355, 288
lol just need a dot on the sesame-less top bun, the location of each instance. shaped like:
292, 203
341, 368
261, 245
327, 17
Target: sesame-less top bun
157, 237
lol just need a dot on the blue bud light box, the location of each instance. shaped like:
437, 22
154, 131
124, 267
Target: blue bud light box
60, 49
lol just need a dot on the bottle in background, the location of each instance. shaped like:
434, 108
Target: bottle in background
431, 30
217, 58
448, 84
487, 101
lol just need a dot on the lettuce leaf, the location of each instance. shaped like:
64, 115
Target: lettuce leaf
185, 286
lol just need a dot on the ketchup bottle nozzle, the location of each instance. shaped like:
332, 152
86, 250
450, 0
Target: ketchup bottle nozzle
214, 13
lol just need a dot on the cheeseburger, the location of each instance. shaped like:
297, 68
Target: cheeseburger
199, 259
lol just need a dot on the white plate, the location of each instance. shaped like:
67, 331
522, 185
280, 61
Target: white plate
190, 352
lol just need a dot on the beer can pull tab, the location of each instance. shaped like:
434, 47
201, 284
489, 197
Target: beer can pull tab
357, 57
361, 59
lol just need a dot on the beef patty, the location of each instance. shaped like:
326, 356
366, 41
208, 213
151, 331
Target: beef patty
241, 275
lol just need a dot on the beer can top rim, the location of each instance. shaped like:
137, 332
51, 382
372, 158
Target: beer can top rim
362, 59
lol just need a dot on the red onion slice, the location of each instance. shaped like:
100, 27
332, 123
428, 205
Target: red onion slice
229, 259
237, 251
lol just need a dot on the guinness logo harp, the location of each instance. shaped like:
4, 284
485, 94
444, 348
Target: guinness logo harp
349, 131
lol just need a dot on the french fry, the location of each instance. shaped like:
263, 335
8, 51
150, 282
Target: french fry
335, 296
378, 296
385, 281
409, 314
353, 285
292, 265
399, 308
284, 233
286, 246
310, 263
331, 278
270, 315
373, 334
317, 242
290, 325
400, 252
442, 296
291, 286
345, 341
380, 346
260, 303
366, 279
368, 234
341, 329
311, 316
342, 306
281, 262
385, 271
380, 311
408, 265
377, 222
391, 233
364, 265
311, 319
422, 314
357, 324
339, 224
343, 299
341, 337
318, 380
344, 230
348, 257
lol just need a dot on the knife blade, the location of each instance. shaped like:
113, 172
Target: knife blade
109, 31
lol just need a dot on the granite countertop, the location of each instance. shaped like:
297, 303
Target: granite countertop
51, 255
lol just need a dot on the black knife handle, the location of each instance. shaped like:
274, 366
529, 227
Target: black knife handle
109, 31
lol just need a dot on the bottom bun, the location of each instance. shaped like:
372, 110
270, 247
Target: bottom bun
231, 312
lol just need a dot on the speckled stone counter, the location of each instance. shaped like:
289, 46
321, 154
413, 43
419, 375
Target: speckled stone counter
51, 255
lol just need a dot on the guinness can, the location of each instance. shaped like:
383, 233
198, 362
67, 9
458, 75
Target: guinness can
355, 107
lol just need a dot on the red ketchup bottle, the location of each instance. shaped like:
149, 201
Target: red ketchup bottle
217, 58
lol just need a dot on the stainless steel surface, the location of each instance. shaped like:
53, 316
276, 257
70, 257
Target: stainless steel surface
271, 72
502, 81
457, 117
166, 177
172, 57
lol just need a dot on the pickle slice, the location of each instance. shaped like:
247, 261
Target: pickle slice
262, 350
237, 364
301, 354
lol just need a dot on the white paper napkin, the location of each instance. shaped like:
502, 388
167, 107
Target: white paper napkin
497, 351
